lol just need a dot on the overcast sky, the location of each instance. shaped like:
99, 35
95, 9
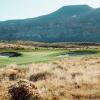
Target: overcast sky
20, 9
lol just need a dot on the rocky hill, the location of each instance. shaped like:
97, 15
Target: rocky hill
76, 23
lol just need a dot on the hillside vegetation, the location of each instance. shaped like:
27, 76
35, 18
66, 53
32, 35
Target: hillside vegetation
77, 23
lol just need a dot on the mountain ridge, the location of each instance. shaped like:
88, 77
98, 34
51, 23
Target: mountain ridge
75, 23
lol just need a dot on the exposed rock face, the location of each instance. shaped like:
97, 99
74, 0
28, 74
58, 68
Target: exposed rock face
24, 90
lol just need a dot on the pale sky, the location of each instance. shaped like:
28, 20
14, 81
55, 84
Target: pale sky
21, 9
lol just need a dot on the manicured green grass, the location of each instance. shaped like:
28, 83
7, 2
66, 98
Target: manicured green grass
32, 56
40, 55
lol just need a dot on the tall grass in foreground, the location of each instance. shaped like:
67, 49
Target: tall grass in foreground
66, 79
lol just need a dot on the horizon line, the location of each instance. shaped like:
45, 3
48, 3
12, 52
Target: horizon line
48, 13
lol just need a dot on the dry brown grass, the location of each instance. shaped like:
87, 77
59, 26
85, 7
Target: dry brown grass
23, 90
67, 79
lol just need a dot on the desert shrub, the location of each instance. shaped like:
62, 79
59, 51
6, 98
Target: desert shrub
24, 90
39, 76
13, 73
86, 97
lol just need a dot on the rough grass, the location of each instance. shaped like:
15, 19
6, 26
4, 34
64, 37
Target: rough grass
72, 78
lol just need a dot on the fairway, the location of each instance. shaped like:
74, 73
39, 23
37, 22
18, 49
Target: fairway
42, 55
33, 56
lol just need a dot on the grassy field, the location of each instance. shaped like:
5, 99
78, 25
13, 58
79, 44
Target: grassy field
58, 73
31, 56
75, 78
42, 55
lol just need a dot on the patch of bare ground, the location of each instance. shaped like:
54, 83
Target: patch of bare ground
72, 78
